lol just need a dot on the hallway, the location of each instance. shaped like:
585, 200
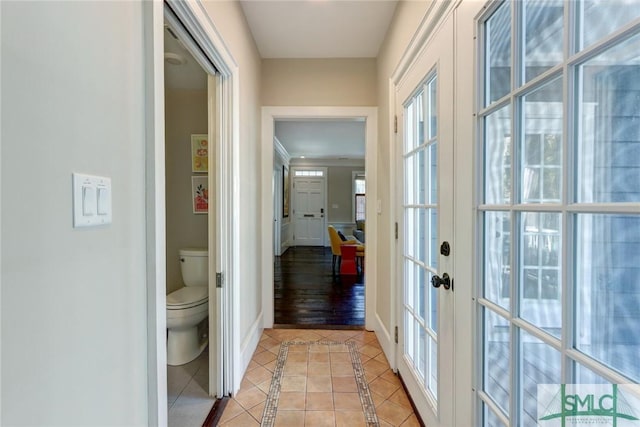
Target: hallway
322, 398
308, 295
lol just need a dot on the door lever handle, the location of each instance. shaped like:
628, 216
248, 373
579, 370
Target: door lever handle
445, 281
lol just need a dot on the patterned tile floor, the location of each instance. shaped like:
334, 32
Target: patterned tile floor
329, 407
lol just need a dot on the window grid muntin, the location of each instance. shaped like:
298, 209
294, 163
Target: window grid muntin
307, 173
569, 355
522, 119
413, 321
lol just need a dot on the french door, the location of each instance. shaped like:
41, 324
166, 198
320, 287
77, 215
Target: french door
425, 264
559, 204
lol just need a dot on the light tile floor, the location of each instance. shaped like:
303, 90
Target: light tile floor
187, 385
392, 405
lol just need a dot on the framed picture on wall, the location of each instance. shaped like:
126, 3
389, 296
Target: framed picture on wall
199, 153
200, 194
285, 191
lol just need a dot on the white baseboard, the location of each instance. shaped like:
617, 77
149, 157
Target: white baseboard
250, 343
387, 342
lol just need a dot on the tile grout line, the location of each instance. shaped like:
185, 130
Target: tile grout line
364, 393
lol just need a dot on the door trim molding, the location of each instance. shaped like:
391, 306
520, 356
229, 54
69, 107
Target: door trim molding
195, 19
269, 114
155, 203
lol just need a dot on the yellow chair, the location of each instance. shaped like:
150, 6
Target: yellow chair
336, 242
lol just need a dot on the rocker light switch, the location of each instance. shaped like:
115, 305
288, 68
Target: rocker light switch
91, 200
88, 200
104, 201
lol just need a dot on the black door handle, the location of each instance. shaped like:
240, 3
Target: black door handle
444, 281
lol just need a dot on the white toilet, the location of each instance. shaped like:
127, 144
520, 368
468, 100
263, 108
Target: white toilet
187, 307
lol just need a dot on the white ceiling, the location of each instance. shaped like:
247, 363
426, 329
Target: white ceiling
322, 139
318, 28
188, 76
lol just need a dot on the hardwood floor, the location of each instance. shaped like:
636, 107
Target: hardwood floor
307, 295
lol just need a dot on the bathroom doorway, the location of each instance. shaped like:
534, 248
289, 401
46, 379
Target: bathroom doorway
187, 185
198, 34
193, 171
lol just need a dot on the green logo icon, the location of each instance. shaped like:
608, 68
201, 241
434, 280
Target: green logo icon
586, 405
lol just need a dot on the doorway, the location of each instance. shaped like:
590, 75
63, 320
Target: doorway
269, 117
187, 146
192, 26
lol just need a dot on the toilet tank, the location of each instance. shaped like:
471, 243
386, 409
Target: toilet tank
194, 265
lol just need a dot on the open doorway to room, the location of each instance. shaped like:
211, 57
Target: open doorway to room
288, 265
200, 38
189, 241
197, 35
315, 165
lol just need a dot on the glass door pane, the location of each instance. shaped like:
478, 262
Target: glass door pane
559, 202
420, 253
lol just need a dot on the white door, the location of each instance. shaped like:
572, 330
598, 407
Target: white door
558, 211
308, 210
216, 239
425, 120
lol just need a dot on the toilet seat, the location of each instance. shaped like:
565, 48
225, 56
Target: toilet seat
187, 297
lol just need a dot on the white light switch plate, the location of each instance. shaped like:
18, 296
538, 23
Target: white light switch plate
91, 200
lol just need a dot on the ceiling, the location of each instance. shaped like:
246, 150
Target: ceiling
322, 138
318, 28
189, 75
303, 29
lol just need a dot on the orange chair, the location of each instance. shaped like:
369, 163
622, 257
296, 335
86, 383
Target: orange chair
337, 242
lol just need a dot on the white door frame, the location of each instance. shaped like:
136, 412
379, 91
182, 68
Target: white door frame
193, 16
269, 115
464, 240
277, 210
292, 180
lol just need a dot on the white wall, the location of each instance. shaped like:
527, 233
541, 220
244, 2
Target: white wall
73, 300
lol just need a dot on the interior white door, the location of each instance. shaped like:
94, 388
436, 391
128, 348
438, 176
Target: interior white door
424, 100
308, 211
216, 238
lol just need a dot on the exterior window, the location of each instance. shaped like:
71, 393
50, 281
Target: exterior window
309, 173
360, 199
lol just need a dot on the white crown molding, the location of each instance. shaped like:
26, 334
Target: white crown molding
281, 151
